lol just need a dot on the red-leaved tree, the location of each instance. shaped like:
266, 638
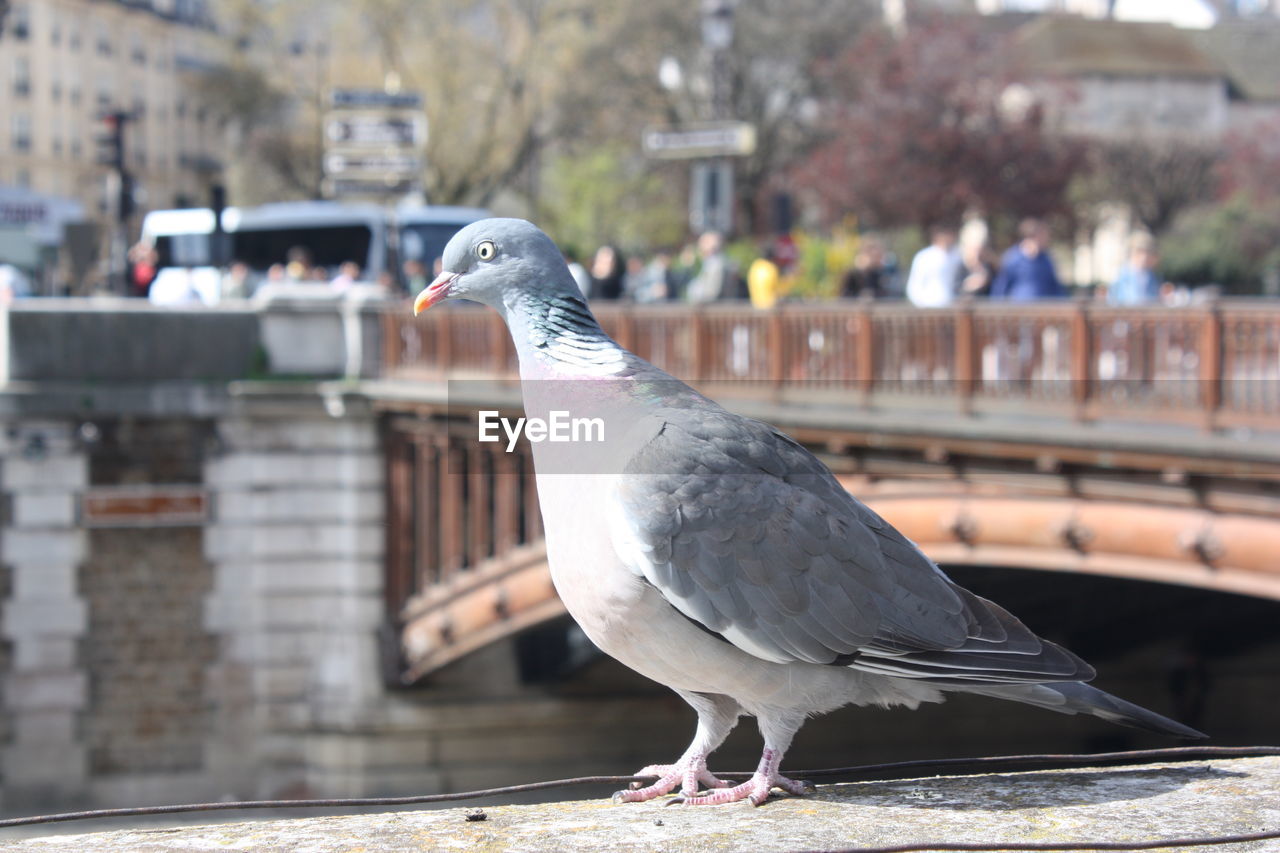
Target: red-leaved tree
921, 129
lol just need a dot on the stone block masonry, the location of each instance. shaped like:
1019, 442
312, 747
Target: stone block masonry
43, 468
296, 541
149, 710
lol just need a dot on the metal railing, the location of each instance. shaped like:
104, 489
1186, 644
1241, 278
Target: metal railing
1216, 365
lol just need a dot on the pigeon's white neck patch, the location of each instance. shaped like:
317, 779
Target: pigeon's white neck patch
558, 335
564, 358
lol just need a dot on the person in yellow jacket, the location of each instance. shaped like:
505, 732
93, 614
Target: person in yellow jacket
763, 280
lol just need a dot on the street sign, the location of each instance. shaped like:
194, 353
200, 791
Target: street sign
365, 187
344, 163
719, 139
349, 99
380, 130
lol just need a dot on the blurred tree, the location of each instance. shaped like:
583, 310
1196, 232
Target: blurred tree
924, 128
607, 196
1250, 162
1156, 178
1235, 245
267, 93
1235, 242
493, 74
511, 87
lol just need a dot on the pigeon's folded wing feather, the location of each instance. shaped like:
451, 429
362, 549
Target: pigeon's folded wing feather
746, 533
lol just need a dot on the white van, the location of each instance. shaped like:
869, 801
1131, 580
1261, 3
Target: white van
331, 232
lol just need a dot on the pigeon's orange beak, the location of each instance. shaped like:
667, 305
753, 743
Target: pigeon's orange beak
434, 292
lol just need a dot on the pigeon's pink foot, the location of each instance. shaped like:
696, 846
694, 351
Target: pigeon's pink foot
756, 789
687, 773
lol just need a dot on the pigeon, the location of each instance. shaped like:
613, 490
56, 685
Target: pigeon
714, 554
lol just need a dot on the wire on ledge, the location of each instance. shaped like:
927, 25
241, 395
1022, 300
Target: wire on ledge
954, 765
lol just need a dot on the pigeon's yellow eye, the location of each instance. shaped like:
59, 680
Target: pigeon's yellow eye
486, 250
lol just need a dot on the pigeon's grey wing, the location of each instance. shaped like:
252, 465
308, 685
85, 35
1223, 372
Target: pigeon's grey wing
749, 535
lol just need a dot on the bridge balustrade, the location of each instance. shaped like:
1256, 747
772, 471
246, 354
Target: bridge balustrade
1215, 365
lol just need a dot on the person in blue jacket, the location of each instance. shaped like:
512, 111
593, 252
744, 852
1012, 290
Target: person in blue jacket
1137, 283
1026, 270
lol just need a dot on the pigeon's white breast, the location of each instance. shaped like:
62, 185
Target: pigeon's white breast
631, 621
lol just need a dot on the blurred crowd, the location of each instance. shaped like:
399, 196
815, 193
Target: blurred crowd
208, 286
956, 264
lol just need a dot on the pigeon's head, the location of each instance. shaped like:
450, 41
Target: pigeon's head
488, 260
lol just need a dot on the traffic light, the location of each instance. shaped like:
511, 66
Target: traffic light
128, 204
110, 139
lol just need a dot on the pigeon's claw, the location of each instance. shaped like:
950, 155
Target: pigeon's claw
689, 774
757, 789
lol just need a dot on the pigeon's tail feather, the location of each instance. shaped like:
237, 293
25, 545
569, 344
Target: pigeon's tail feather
1076, 697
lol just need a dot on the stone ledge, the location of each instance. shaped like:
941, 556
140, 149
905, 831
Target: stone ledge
1138, 803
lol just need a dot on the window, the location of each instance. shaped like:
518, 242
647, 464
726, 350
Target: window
55, 130
138, 50
20, 22
55, 82
102, 38
21, 77
55, 28
21, 126
73, 36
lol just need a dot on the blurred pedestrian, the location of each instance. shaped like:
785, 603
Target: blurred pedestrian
578, 271
298, 263
14, 284
386, 283
932, 280
657, 283
715, 279
764, 279
868, 278
237, 282
176, 287
1137, 283
415, 276
977, 268
1026, 270
144, 263
608, 272
634, 278
348, 275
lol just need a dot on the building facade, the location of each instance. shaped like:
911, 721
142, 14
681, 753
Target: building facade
64, 63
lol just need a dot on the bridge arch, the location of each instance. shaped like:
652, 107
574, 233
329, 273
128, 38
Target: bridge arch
1193, 547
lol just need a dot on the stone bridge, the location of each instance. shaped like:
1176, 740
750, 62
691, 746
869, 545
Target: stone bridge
256, 552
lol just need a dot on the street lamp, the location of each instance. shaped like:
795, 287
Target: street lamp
717, 24
717, 38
